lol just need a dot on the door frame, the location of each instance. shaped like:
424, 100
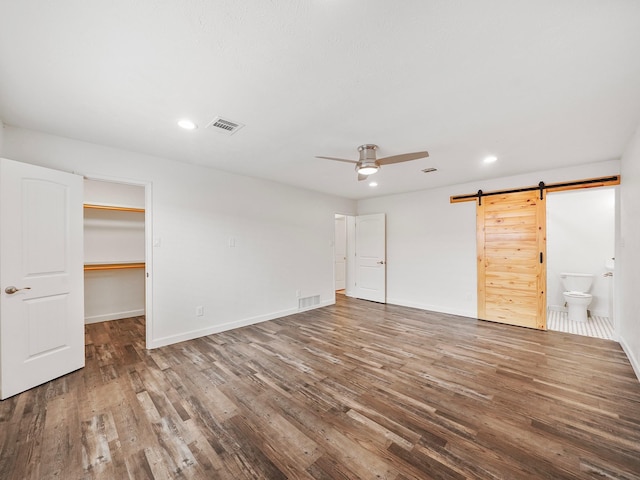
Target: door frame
349, 220
350, 264
148, 244
335, 236
616, 236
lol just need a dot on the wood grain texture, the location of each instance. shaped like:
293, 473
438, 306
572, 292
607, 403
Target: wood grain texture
113, 207
358, 390
510, 238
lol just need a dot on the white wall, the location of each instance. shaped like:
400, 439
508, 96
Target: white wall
113, 294
580, 239
430, 250
283, 236
113, 236
100, 192
431, 243
627, 271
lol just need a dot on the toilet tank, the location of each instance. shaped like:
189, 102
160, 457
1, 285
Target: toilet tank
576, 282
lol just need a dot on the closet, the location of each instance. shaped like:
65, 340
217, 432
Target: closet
114, 251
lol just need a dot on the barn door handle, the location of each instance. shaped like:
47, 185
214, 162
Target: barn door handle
11, 290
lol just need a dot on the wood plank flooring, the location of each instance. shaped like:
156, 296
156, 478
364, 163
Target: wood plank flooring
355, 390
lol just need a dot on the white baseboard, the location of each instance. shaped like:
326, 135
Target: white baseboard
433, 308
114, 316
202, 332
635, 363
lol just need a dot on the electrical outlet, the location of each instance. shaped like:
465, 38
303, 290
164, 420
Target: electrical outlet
199, 311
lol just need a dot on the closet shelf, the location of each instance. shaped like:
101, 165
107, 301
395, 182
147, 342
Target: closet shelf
112, 266
113, 207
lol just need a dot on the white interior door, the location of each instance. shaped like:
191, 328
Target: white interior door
41, 280
371, 268
340, 252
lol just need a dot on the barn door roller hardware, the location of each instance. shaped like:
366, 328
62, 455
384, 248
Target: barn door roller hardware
551, 187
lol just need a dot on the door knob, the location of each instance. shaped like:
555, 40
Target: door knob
381, 262
11, 290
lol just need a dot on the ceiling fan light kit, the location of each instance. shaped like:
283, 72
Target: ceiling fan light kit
368, 165
367, 169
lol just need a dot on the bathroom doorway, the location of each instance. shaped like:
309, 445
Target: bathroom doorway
581, 239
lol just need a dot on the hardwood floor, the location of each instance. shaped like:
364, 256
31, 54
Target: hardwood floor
355, 390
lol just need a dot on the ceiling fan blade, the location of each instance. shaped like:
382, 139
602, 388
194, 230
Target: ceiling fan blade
404, 157
362, 177
338, 159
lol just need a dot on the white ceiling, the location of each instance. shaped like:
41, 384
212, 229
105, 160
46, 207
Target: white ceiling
541, 84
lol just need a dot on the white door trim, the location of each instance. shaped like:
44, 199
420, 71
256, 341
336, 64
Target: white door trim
340, 250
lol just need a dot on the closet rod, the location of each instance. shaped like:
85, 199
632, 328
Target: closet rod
113, 207
112, 266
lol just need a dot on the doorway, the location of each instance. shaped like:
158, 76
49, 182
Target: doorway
581, 239
340, 253
117, 241
360, 249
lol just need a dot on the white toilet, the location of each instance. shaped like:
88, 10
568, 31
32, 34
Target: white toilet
576, 286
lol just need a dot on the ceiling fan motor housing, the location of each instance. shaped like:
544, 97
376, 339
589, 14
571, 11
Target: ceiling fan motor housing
367, 152
367, 159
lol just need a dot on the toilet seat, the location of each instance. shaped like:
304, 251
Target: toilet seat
577, 294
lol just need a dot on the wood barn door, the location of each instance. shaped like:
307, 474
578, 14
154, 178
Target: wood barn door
511, 243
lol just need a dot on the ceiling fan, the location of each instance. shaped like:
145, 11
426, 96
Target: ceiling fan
368, 164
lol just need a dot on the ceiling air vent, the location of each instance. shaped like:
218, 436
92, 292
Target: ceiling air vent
223, 125
429, 170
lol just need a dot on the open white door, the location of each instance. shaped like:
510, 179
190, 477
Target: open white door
371, 268
41, 279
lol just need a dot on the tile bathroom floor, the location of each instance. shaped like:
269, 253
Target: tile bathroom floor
596, 326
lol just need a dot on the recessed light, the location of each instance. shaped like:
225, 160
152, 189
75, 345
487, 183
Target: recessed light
490, 159
187, 124
373, 184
